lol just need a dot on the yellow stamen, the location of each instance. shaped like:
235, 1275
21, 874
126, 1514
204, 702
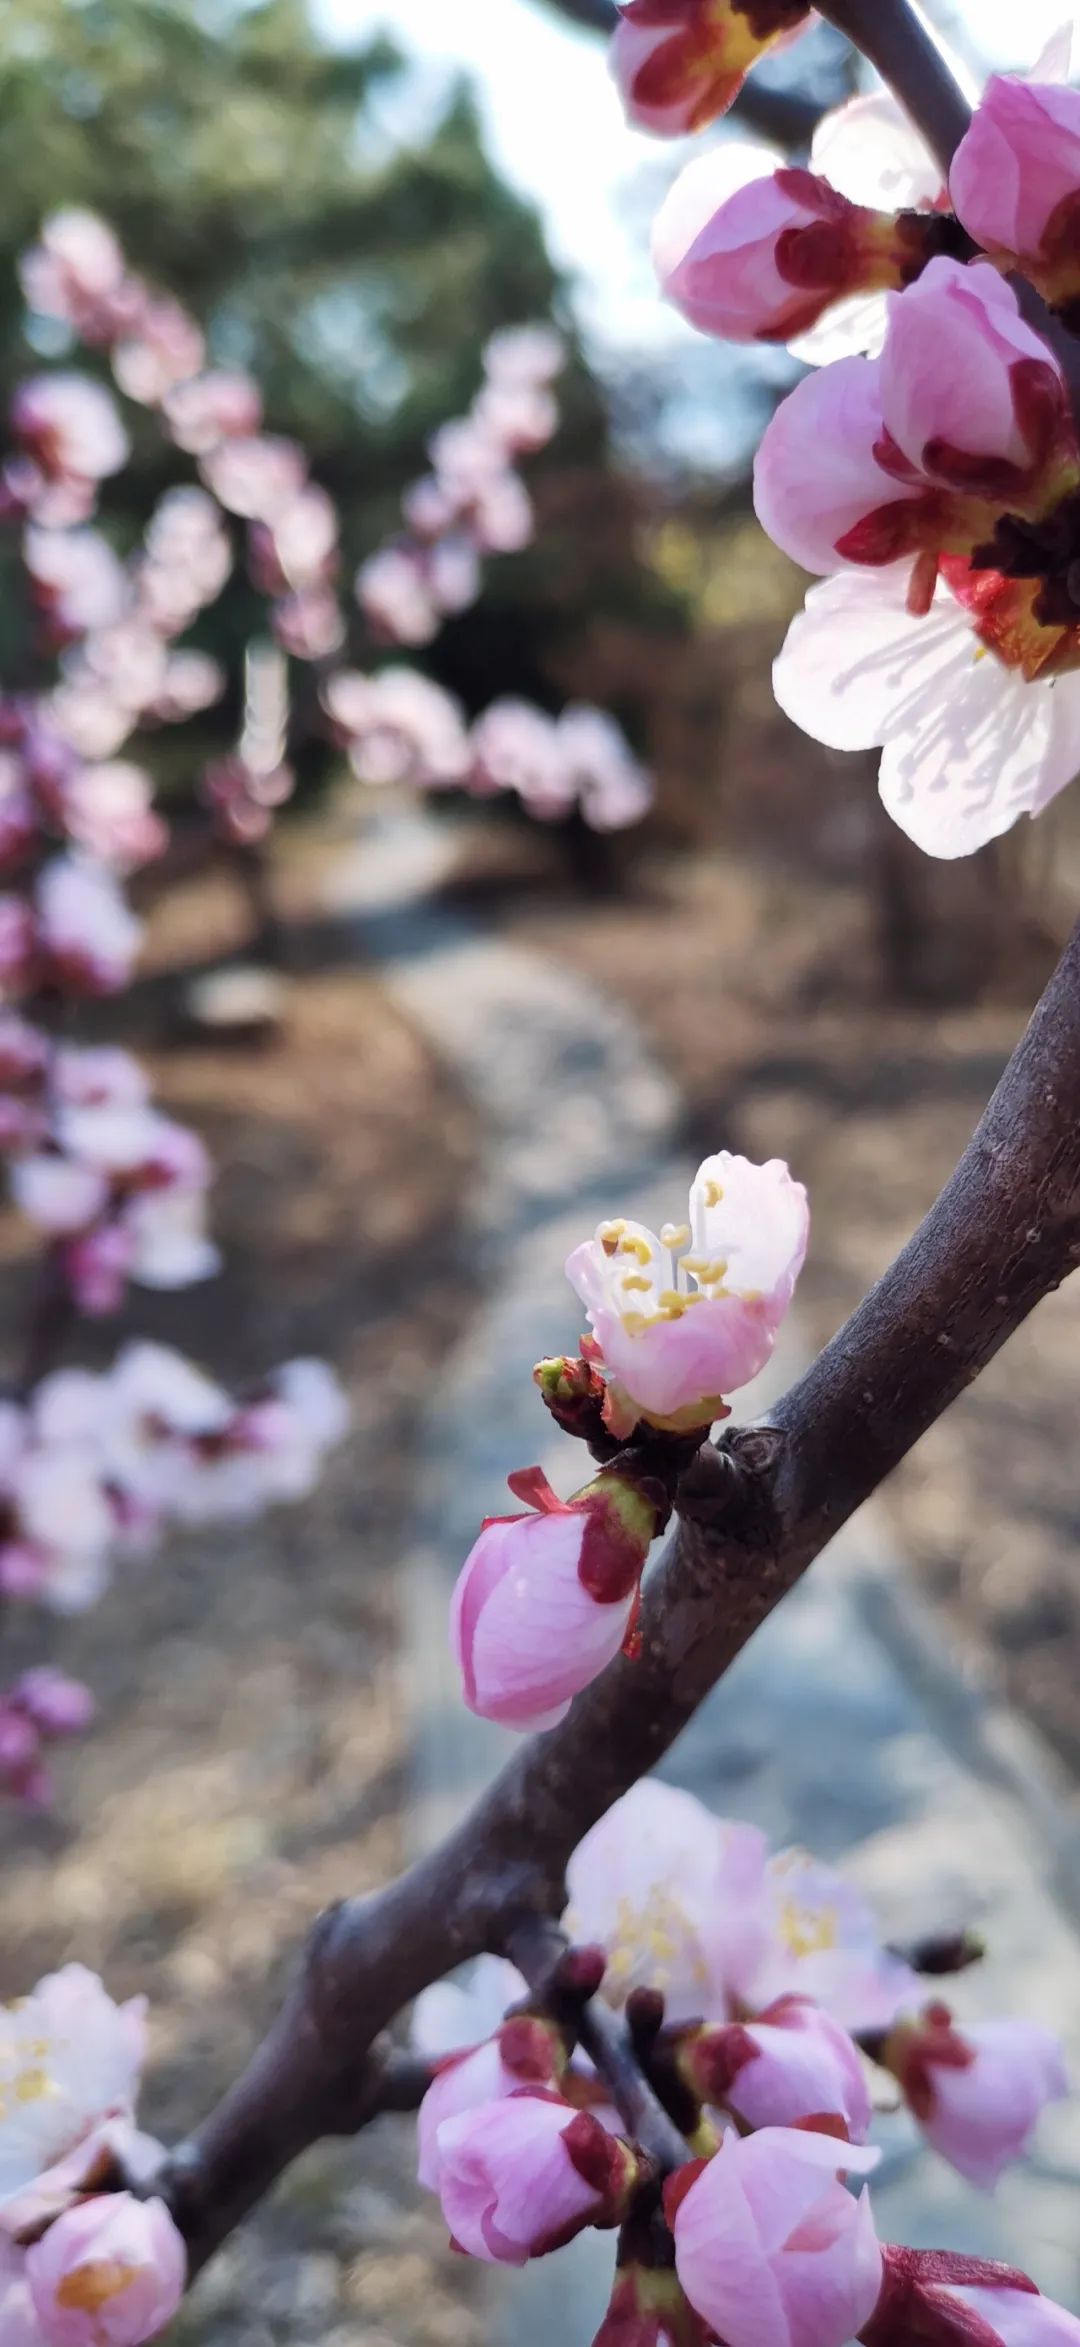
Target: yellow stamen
636, 1279
638, 1247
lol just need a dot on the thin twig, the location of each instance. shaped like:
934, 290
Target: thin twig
539, 1950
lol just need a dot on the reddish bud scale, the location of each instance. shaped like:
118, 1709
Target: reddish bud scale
914, 2050
622, 1521
709, 2060
711, 47
914, 2310
608, 2166
532, 2049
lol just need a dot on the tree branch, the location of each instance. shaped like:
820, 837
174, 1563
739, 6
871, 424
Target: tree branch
544, 1957
1003, 1233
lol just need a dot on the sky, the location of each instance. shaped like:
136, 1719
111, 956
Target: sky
555, 129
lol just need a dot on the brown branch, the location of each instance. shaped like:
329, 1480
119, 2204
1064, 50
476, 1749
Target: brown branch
544, 1957
1004, 1232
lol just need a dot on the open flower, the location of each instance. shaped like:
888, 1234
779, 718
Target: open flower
543, 1601
69, 2062
770, 2247
680, 63
823, 1941
683, 1319
677, 1897
977, 724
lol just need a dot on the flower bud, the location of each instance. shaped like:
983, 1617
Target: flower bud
970, 396
976, 2093
108, 2273
678, 63
1015, 182
522, 2177
525, 2053
820, 488
761, 258
769, 2244
544, 1601
956, 2301
794, 2064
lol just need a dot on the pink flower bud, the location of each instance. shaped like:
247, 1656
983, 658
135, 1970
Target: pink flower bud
770, 2247
820, 488
957, 2301
524, 2053
59, 1706
522, 2177
970, 396
679, 63
682, 1319
544, 1601
978, 2092
760, 258
793, 2064
109, 2273
1015, 180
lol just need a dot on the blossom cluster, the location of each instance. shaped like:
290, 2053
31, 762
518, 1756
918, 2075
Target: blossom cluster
473, 500
95, 1465
678, 1320
761, 2002
930, 472
117, 623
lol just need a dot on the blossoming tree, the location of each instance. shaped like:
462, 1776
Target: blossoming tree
669, 2031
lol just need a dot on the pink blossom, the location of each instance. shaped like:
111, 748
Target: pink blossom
108, 2273
69, 2060
823, 1941
520, 2177
59, 1706
453, 571
18, 2322
77, 578
543, 1601
19, 820
611, 788
522, 2054
758, 255
394, 594
770, 2247
57, 1193
1015, 178
164, 348
225, 404
820, 488
521, 417
97, 1267
24, 1050
679, 64
70, 426
676, 1896
682, 1319
109, 812
169, 1243
309, 624
299, 548
977, 2092
398, 727
257, 477
192, 681
969, 743
18, 942
959, 2301
791, 2065
969, 394
523, 357
85, 930
99, 1075
519, 748
501, 514
75, 271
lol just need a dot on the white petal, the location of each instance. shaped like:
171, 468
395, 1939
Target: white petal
855, 658
967, 766
872, 153
852, 328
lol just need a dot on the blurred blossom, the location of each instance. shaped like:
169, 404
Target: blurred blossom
75, 271
163, 350
524, 356
109, 811
70, 426
611, 788
77, 579
310, 625
85, 931
256, 478
192, 681
224, 404
398, 727
516, 747
394, 594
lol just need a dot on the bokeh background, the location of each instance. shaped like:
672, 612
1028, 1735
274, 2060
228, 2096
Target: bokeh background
351, 197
